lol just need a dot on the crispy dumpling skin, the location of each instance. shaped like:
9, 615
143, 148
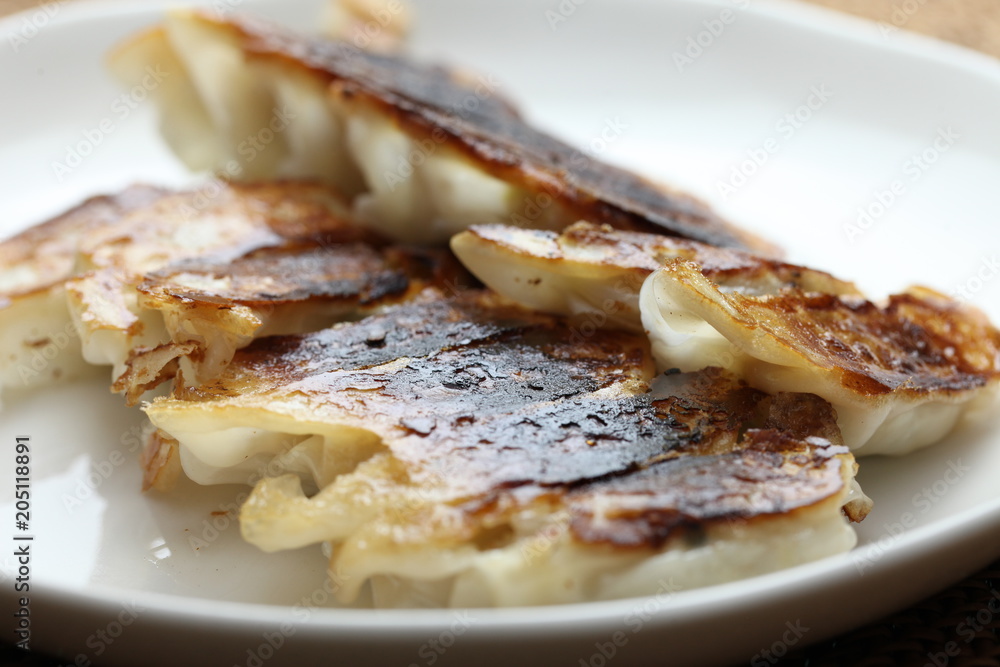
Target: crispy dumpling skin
38, 339
900, 374
465, 452
595, 272
220, 223
422, 151
211, 307
149, 281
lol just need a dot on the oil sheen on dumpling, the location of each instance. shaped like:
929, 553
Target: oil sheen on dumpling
463, 452
422, 152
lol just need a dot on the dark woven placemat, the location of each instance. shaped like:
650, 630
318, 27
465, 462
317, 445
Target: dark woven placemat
959, 627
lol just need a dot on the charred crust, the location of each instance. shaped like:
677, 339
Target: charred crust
495, 407
431, 102
912, 345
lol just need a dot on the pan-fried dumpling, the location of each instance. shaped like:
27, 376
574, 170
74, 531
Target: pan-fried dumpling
595, 272
900, 375
38, 339
211, 308
222, 224
463, 452
422, 152
150, 281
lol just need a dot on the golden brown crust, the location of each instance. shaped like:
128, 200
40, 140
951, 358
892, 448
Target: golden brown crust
49, 250
772, 474
149, 368
490, 408
918, 343
433, 104
777, 455
144, 226
642, 253
271, 291
215, 264
160, 462
224, 221
428, 325
357, 273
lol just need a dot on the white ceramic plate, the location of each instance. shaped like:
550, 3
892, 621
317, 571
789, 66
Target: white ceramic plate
843, 111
